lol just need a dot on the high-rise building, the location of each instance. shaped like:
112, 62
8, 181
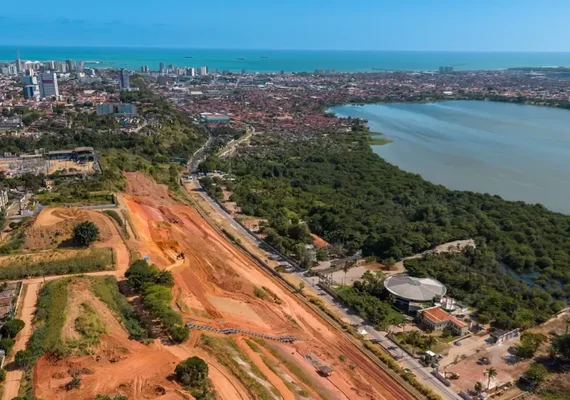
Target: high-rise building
161, 67
31, 92
48, 85
203, 70
81, 66
445, 69
71, 65
124, 83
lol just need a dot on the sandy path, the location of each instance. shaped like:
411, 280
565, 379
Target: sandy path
271, 377
13, 378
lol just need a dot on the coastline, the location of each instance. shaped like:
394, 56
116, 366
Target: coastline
267, 60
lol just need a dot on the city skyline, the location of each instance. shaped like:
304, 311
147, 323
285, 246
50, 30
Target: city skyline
334, 25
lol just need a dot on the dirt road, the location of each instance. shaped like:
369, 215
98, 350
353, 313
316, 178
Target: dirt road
13, 377
220, 284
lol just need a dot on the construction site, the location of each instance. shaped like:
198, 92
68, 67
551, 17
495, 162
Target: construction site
223, 293
260, 339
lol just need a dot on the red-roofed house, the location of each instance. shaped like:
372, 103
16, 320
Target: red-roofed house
437, 319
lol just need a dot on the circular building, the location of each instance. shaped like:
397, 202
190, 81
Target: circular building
410, 289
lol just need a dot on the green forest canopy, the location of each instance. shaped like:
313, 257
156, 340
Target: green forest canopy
349, 195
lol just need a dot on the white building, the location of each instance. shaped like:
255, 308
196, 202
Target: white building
48, 85
203, 70
191, 71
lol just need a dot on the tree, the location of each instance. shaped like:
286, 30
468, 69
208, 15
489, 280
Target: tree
346, 267
389, 263
192, 372
529, 344
490, 373
478, 387
561, 345
179, 333
25, 359
12, 327
140, 273
6, 344
165, 278
536, 373
85, 233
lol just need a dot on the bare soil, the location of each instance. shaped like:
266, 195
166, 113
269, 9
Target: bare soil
218, 279
118, 366
53, 226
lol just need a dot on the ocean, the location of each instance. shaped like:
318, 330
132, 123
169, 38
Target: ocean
518, 152
287, 60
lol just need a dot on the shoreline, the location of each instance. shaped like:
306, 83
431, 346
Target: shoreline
482, 176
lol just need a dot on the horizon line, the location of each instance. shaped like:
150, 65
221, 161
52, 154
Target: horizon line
17, 46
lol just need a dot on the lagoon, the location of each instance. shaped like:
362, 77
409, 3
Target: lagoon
518, 152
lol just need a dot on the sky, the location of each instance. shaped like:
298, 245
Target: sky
449, 25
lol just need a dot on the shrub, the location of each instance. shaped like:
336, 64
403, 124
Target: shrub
85, 233
115, 215
6, 344
141, 272
12, 327
536, 373
192, 372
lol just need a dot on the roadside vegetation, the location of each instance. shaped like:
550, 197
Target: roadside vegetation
107, 290
343, 192
227, 352
90, 260
50, 318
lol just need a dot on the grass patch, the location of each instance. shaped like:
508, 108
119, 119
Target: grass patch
122, 224
130, 223
253, 346
293, 367
46, 338
275, 298
259, 292
17, 236
61, 196
222, 349
115, 215
107, 290
292, 386
94, 259
90, 327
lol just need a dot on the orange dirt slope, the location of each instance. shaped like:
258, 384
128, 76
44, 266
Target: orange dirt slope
216, 284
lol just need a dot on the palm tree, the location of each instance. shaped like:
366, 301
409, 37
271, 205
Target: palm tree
490, 373
430, 342
414, 338
478, 387
347, 265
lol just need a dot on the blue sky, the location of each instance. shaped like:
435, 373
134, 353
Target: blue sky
478, 25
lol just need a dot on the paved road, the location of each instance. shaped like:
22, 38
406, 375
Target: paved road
406, 361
